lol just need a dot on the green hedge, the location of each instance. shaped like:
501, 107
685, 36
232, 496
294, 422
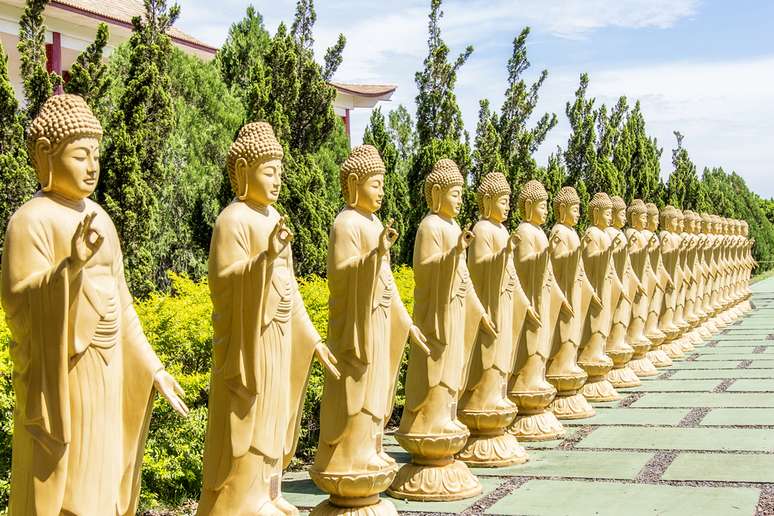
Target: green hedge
179, 327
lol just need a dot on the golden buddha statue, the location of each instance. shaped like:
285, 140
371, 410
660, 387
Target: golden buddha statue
617, 347
261, 328
450, 314
529, 388
657, 285
638, 245
484, 406
368, 327
563, 371
670, 247
695, 274
83, 372
684, 280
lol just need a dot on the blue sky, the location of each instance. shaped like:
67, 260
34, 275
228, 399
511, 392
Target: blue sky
703, 67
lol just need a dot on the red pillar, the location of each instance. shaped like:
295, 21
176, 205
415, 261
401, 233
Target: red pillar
346, 118
54, 57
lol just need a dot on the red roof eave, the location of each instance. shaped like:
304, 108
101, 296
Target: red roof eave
352, 90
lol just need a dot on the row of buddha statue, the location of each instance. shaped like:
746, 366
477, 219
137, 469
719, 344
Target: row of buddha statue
511, 331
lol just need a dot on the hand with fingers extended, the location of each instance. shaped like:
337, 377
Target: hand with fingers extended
85, 243
418, 338
168, 387
488, 325
325, 355
596, 301
281, 237
533, 317
513, 241
388, 238
465, 238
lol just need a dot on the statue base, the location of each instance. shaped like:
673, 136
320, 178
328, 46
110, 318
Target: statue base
533, 422
492, 451
599, 388
433, 473
659, 358
355, 494
572, 406
623, 377
643, 367
435, 482
489, 445
686, 346
674, 349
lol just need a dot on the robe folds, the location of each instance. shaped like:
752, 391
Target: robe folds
263, 346
448, 312
596, 246
82, 369
367, 331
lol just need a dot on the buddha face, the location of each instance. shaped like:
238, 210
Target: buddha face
652, 221
603, 218
569, 214
499, 208
370, 193
450, 202
536, 212
73, 169
264, 180
619, 218
640, 221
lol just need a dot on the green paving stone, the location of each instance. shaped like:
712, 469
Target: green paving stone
734, 357
705, 364
668, 438
705, 399
761, 364
675, 386
739, 417
627, 416
563, 498
750, 385
299, 490
575, 464
730, 350
722, 374
739, 343
721, 468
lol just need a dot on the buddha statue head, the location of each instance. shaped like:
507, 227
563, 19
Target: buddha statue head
679, 220
533, 202
706, 223
443, 189
689, 224
601, 210
717, 225
567, 207
637, 214
254, 164
619, 211
745, 228
653, 216
668, 216
362, 179
63, 144
494, 197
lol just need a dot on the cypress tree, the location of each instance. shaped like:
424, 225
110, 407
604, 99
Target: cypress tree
243, 51
401, 129
610, 178
519, 142
88, 75
684, 189
440, 129
395, 205
39, 83
133, 174
17, 178
580, 157
637, 156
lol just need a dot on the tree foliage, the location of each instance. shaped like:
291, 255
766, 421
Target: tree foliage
39, 83
88, 75
683, 189
243, 51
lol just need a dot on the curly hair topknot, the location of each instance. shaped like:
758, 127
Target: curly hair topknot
61, 119
256, 142
618, 203
667, 213
364, 161
652, 209
493, 185
567, 196
635, 209
532, 191
600, 201
445, 174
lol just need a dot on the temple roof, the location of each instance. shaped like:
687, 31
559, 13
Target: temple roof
365, 90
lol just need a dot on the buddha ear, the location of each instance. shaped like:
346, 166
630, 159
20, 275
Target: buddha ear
527, 209
486, 206
435, 195
240, 170
44, 163
352, 190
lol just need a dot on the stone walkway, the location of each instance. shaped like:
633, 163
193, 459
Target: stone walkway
697, 439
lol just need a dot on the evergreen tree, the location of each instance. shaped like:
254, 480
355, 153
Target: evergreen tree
133, 174
17, 178
88, 75
580, 157
637, 157
486, 155
519, 142
39, 83
395, 205
684, 189
289, 90
440, 129
554, 178
243, 51
609, 178
401, 129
